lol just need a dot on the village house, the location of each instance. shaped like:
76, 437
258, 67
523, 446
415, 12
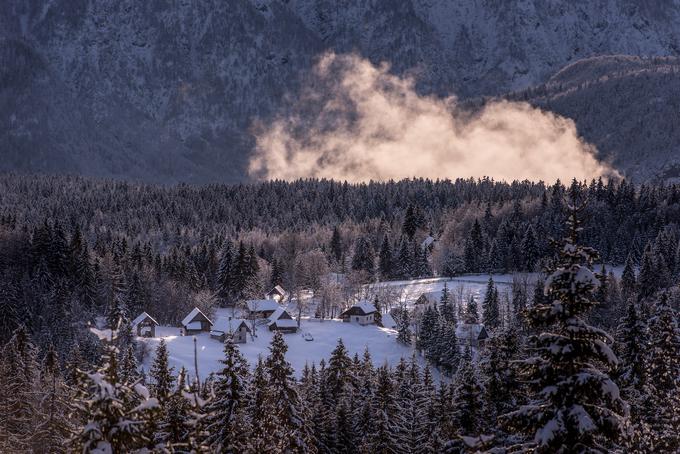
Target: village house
237, 327
144, 325
363, 313
281, 320
472, 334
277, 293
196, 322
261, 308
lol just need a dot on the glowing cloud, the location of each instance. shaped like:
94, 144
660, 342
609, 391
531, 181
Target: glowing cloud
354, 121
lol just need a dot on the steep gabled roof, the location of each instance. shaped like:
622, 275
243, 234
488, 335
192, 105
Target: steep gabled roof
279, 314
471, 331
195, 312
262, 305
225, 325
361, 308
141, 317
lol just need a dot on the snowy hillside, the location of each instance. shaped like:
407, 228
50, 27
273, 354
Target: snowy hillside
168, 93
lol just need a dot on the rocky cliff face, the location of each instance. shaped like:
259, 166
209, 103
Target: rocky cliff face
166, 90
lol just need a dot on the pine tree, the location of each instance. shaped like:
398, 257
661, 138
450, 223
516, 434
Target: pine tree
648, 278
363, 257
569, 393
446, 308
411, 223
128, 367
471, 312
468, 403
404, 333
338, 372
449, 351
383, 438
490, 310
336, 245
175, 427
18, 387
54, 423
404, 264
529, 249
663, 366
162, 380
110, 424
225, 272
226, 421
385, 260
290, 431
412, 406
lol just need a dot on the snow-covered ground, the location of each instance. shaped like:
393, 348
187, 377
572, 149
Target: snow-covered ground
381, 343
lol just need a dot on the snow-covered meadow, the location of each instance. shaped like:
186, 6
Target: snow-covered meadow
381, 342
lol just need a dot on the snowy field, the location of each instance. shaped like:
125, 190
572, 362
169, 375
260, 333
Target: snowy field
381, 342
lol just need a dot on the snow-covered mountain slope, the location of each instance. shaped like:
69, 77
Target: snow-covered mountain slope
167, 90
626, 106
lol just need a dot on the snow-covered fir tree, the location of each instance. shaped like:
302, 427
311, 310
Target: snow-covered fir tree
574, 406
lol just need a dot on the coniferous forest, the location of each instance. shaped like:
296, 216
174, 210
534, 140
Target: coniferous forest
581, 360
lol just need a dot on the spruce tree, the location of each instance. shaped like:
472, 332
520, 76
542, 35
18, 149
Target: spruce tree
468, 398
336, 245
226, 420
290, 431
162, 380
490, 310
663, 367
404, 332
446, 308
471, 312
385, 260
574, 406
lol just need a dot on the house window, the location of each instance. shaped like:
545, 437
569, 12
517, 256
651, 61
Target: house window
356, 319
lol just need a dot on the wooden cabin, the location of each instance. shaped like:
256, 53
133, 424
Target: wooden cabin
144, 325
237, 327
196, 322
281, 320
363, 313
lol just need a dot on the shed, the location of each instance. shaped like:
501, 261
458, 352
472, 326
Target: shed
196, 322
261, 308
144, 325
472, 334
281, 320
363, 313
236, 326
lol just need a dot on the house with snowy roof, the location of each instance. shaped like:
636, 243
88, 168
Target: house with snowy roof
472, 334
144, 325
277, 293
237, 327
261, 308
280, 320
363, 313
196, 322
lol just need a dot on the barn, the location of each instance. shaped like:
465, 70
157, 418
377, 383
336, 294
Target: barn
144, 325
196, 322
